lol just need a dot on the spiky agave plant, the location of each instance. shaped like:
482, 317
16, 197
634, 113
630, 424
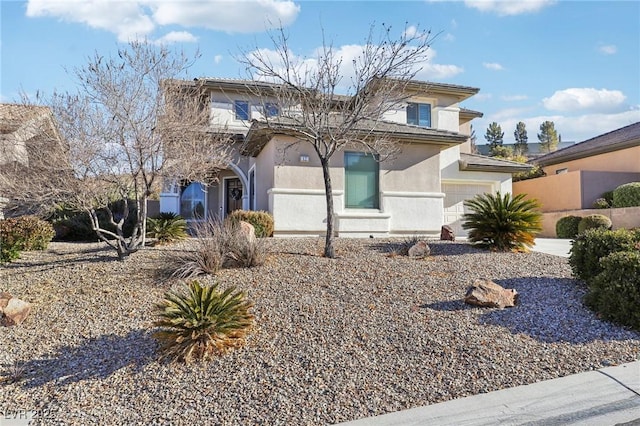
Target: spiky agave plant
167, 228
502, 222
202, 322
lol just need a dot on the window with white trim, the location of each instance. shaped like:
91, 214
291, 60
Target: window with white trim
242, 110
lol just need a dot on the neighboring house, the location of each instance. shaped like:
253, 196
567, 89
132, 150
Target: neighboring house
581, 173
23, 129
414, 193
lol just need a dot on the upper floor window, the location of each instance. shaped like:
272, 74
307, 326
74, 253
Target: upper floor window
419, 114
271, 109
361, 172
242, 110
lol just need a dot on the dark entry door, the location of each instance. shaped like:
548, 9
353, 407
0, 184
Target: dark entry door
233, 190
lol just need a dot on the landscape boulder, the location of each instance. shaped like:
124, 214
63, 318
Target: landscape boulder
447, 233
248, 230
488, 294
419, 250
13, 311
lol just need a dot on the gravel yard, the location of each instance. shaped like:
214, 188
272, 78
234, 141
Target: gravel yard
335, 340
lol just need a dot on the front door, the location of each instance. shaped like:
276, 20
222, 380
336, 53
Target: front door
233, 190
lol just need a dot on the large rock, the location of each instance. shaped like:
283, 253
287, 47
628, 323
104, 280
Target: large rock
419, 250
488, 294
447, 233
248, 230
12, 310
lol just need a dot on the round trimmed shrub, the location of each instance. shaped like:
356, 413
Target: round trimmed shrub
262, 221
594, 221
627, 195
567, 227
601, 203
588, 248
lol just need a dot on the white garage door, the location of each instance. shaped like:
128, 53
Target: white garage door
455, 195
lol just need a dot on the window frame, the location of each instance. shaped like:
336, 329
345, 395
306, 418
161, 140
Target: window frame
373, 193
237, 108
418, 106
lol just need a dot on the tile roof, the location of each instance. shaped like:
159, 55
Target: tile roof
261, 130
482, 163
615, 140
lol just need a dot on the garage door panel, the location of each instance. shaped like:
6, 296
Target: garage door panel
455, 196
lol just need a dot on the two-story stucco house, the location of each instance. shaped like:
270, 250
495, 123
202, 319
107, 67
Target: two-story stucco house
413, 193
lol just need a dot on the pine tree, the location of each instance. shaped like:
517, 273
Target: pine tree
494, 136
548, 137
472, 141
520, 135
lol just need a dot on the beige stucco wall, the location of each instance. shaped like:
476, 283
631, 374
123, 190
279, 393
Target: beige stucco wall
572, 190
622, 218
555, 192
624, 160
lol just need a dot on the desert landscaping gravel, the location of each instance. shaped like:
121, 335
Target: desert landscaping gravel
335, 339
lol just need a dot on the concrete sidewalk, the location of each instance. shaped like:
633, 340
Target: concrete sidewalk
610, 396
555, 246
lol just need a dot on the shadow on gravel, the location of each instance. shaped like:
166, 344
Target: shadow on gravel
550, 310
447, 305
96, 358
82, 256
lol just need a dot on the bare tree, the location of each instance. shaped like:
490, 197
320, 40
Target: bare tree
322, 105
129, 125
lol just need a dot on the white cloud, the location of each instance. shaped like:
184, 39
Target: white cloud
233, 17
449, 37
454, 24
217, 59
509, 7
573, 99
607, 49
177, 37
494, 66
482, 97
139, 18
350, 53
511, 98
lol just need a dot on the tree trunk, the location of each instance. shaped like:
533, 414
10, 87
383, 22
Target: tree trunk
328, 190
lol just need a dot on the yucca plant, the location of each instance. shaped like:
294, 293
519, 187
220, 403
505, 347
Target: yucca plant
202, 322
167, 228
502, 222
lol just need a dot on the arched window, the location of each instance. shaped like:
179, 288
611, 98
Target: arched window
193, 201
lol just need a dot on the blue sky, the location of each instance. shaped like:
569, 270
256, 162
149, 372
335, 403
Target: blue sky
576, 63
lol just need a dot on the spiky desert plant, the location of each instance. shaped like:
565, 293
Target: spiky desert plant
502, 222
202, 322
167, 228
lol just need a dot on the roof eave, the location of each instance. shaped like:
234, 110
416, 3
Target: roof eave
466, 167
587, 153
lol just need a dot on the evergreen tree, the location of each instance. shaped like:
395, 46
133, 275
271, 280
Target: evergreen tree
494, 136
548, 137
520, 135
472, 140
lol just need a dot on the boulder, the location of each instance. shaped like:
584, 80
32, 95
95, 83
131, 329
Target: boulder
4, 299
248, 229
419, 250
14, 312
488, 294
447, 233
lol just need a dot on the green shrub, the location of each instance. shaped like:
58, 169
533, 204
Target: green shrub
73, 225
627, 195
262, 221
567, 227
217, 245
588, 248
167, 228
594, 221
501, 222
608, 196
23, 233
601, 203
615, 292
202, 322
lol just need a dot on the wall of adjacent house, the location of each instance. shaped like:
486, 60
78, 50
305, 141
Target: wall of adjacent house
572, 190
223, 110
624, 160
